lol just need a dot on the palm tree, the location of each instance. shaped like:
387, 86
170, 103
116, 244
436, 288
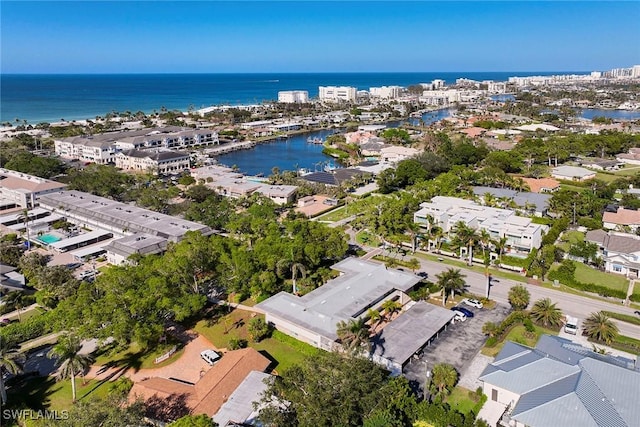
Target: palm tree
444, 378
10, 361
297, 268
500, 244
24, 217
485, 239
413, 264
452, 281
519, 297
546, 313
67, 351
15, 299
465, 236
374, 317
490, 328
390, 307
353, 335
599, 327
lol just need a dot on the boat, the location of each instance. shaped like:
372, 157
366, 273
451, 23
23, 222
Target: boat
315, 140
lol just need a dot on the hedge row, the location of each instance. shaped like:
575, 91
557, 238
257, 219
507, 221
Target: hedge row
31, 328
554, 232
565, 275
624, 317
515, 318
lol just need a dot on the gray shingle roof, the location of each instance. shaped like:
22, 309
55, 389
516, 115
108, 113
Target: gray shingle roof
521, 198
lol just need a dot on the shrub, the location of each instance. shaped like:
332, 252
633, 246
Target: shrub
554, 232
31, 328
237, 343
492, 342
528, 325
258, 329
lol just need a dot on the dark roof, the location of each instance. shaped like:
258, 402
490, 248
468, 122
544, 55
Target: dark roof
156, 155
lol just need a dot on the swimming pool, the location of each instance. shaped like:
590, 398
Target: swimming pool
48, 238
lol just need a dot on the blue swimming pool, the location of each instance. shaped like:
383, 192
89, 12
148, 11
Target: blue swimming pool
48, 238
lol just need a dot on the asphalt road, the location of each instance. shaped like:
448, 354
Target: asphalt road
570, 304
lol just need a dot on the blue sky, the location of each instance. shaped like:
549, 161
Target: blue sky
219, 37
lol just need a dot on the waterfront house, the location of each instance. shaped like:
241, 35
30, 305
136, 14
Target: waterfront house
157, 162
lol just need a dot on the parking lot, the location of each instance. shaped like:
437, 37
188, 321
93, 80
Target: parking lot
457, 346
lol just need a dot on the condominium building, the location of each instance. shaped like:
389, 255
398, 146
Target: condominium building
337, 93
293, 96
19, 190
445, 212
156, 162
102, 148
386, 92
441, 97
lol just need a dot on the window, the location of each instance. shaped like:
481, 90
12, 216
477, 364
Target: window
617, 268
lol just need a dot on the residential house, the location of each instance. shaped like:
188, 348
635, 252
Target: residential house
601, 164
209, 394
542, 185
522, 235
559, 383
631, 158
394, 153
620, 251
572, 173
621, 220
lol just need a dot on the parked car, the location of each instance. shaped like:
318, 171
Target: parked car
472, 302
210, 356
86, 274
464, 311
458, 317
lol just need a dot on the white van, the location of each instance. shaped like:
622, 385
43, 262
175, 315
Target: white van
210, 356
571, 326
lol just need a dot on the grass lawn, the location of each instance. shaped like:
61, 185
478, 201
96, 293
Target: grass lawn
586, 274
460, 400
234, 325
606, 177
137, 358
519, 334
39, 393
366, 238
26, 315
571, 238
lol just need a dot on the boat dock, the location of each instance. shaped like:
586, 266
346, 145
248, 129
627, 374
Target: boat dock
229, 147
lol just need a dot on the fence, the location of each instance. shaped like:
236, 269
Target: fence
165, 356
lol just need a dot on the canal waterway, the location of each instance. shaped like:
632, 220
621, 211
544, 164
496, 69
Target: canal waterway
590, 113
296, 153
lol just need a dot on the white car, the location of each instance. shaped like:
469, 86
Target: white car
472, 303
210, 356
458, 317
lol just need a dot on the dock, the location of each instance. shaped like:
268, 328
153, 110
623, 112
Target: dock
229, 147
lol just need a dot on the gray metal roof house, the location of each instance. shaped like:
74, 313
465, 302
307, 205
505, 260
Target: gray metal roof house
559, 383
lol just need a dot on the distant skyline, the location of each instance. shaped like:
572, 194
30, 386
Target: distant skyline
245, 37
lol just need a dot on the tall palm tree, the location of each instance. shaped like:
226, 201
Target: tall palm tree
450, 281
546, 313
500, 244
599, 327
465, 236
353, 335
67, 351
485, 239
10, 361
444, 378
519, 297
15, 299
24, 217
297, 268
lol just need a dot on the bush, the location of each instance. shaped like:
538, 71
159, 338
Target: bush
237, 343
492, 342
31, 328
528, 325
554, 232
258, 329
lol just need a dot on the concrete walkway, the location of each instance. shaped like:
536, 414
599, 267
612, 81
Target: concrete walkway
469, 378
15, 314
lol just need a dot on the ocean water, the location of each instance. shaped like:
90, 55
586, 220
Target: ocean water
39, 98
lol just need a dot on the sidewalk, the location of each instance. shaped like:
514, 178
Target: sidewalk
13, 315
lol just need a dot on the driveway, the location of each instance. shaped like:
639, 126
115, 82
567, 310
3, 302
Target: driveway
189, 367
457, 346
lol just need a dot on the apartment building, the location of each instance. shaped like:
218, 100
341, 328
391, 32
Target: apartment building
337, 93
385, 92
157, 162
293, 96
19, 190
445, 212
103, 148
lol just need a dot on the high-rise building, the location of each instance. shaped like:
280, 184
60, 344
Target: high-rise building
293, 96
337, 93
